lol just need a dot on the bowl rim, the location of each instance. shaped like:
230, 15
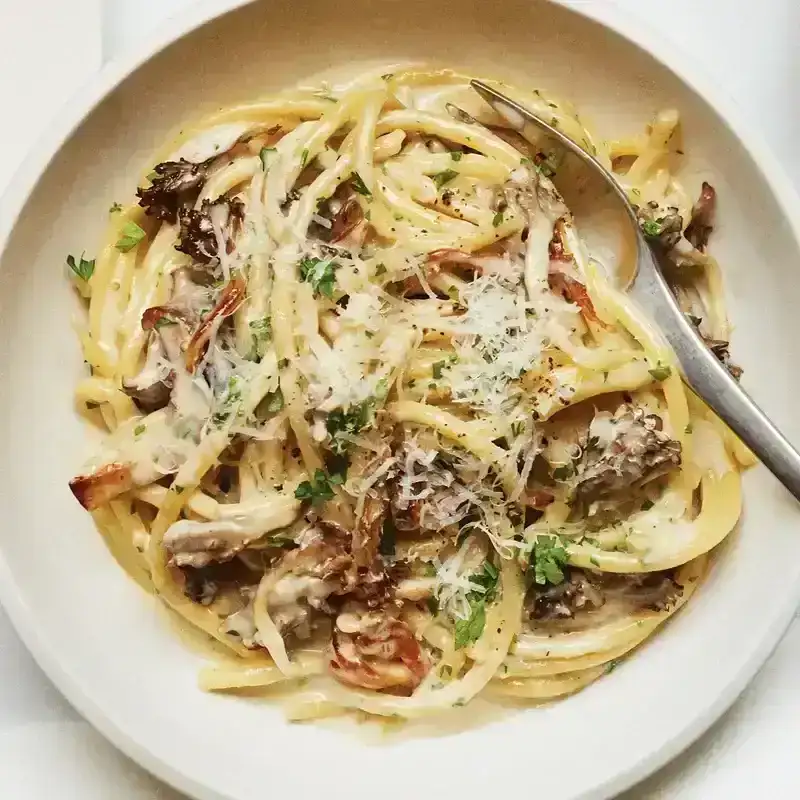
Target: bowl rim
45, 148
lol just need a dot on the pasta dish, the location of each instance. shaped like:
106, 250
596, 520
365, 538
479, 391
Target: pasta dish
377, 419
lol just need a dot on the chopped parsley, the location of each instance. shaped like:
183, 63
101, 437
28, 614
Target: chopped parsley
647, 505
319, 489
320, 274
359, 185
260, 333
661, 371
688, 428
131, 235
497, 220
139, 430
265, 154
470, 630
547, 559
380, 270
229, 402
304, 158
652, 228
115, 208
82, 268
441, 178
437, 369
612, 665
274, 401
340, 424
456, 155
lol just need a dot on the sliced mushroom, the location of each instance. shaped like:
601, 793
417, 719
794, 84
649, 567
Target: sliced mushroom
172, 186
373, 650
626, 451
99, 487
197, 544
701, 225
151, 388
199, 229
230, 299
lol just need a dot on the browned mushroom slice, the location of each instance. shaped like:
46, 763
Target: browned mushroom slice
347, 219
637, 451
372, 650
230, 299
198, 234
575, 292
701, 225
96, 489
171, 183
150, 389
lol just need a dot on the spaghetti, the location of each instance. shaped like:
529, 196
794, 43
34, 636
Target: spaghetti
378, 418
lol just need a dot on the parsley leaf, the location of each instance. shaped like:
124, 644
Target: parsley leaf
497, 220
274, 401
441, 178
349, 423
229, 402
470, 630
437, 369
260, 333
661, 371
547, 558
132, 234
304, 158
319, 489
320, 274
456, 155
265, 154
115, 208
651, 228
82, 268
359, 185
139, 430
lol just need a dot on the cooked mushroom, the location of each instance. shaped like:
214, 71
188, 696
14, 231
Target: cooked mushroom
625, 451
171, 187
701, 225
231, 297
151, 388
662, 226
201, 229
197, 544
373, 650
585, 591
99, 487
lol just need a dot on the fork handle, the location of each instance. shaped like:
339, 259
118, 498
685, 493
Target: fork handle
710, 380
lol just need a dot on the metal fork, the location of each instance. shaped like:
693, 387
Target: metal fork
701, 369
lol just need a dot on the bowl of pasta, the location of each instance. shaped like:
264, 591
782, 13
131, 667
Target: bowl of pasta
332, 434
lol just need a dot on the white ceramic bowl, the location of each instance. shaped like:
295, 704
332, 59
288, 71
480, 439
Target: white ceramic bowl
104, 643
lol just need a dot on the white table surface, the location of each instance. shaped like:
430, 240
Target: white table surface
46, 749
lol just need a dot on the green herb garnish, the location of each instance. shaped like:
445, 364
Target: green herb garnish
441, 178
661, 371
547, 559
320, 274
341, 424
139, 430
437, 369
651, 228
359, 185
132, 234
319, 489
82, 268
115, 208
260, 334
497, 220
470, 630
456, 155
